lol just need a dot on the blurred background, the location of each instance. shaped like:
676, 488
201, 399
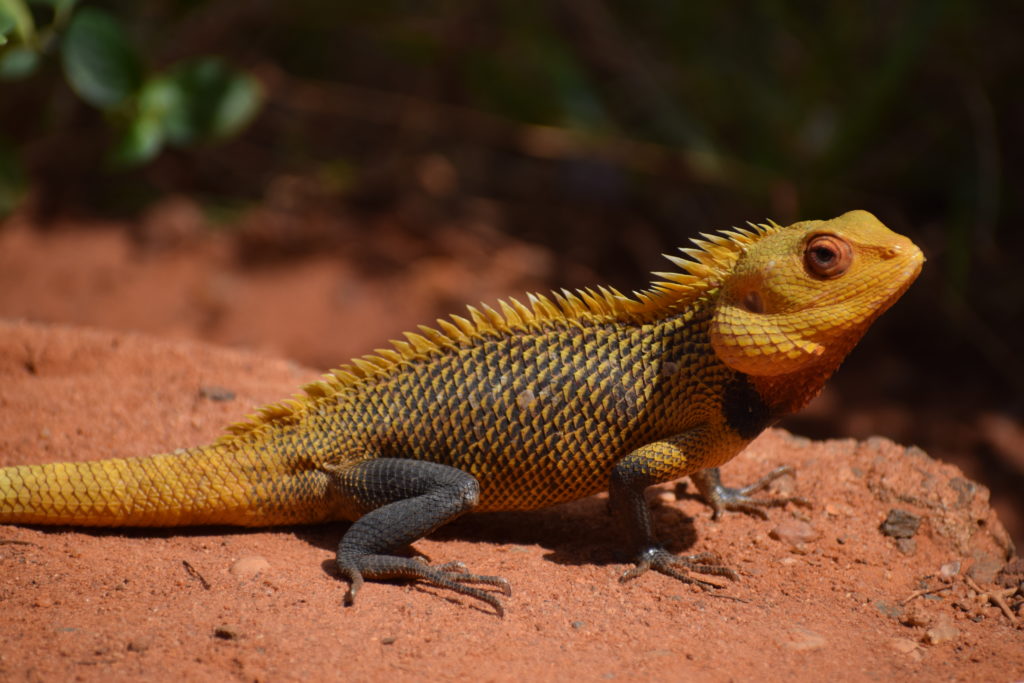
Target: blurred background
312, 178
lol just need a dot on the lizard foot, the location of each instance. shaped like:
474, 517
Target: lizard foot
664, 562
452, 575
722, 498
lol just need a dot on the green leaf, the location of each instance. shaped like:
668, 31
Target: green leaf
239, 103
7, 25
18, 14
142, 141
214, 101
99, 62
160, 98
17, 63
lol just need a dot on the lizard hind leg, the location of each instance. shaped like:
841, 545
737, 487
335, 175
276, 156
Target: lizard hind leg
402, 501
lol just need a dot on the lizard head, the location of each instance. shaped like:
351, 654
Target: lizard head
804, 295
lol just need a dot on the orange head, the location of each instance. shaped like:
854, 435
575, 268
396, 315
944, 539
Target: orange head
805, 294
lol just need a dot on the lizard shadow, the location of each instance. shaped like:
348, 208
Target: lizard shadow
578, 533
575, 533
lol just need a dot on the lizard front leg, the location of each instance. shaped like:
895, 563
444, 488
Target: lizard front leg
652, 464
402, 501
722, 498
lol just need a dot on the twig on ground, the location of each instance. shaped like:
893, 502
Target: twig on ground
996, 597
925, 591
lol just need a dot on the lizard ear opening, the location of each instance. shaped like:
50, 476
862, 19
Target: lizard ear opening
752, 302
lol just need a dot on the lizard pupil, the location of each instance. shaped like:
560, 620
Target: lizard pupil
827, 256
824, 256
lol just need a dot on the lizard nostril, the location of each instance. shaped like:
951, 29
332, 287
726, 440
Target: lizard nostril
893, 251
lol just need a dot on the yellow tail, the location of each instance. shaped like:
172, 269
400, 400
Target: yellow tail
219, 484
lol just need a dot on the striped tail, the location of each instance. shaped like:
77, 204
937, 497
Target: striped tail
218, 484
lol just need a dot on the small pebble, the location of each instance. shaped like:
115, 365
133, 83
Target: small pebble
900, 524
949, 570
985, 568
907, 546
225, 632
903, 645
890, 610
942, 631
215, 393
794, 532
916, 615
250, 566
138, 645
1012, 574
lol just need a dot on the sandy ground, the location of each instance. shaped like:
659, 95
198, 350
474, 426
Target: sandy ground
823, 592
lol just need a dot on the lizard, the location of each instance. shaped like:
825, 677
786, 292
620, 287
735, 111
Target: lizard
524, 406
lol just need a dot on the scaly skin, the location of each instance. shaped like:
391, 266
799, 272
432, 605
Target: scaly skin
535, 405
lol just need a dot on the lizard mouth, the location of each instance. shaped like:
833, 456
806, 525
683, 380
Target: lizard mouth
914, 263
897, 278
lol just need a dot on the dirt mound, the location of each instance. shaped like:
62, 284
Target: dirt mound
896, 571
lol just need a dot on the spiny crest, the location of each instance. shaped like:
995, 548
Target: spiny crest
709, 262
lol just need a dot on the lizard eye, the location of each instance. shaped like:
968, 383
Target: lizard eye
827, 256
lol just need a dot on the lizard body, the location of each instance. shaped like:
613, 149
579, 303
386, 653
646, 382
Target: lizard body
524, 407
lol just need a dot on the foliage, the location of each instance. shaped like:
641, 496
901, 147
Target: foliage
784, 109
190, 102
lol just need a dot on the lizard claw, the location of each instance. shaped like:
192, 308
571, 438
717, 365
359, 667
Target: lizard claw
452, 575
722, 498
664, 562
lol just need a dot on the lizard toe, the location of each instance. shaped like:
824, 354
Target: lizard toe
678, 566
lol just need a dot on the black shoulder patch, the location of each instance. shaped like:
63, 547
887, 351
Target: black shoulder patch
745, 411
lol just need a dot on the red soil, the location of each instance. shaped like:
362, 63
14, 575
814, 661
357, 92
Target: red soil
822, 594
